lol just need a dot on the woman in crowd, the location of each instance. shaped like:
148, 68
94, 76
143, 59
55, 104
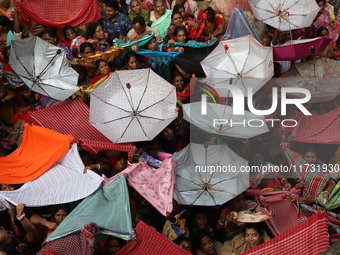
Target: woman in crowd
136, 10
253, 235
160, 17
96, 36
51, 37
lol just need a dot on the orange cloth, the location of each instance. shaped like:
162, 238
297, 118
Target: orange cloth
40, 148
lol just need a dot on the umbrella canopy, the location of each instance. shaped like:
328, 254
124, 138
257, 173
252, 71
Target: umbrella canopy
237, 126
133, 106
243, 59
319, 76
285, 14
297, 49
196, 185
43, 67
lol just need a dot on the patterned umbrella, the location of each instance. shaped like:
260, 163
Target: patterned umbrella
243, 62
198, 184
320, 77
132, 106
285, 14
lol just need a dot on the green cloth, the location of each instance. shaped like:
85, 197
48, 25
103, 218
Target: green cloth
109, 207
194, 44
163, 23
142, 41
334, 198
143, 13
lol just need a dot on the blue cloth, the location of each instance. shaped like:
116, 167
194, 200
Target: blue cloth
194, 44
141, 42
122, 24
109, 207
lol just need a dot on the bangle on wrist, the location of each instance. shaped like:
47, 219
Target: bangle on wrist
42, 222
219, 222
284, 179
176, 222
20, 217
326, 191
98, 166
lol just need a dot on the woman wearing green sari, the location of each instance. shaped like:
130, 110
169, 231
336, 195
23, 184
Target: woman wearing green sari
160, 17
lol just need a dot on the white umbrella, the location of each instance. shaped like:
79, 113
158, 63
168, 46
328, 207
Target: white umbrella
43, 67
220, 120
133, 106
285, 14
243, 59
198, 184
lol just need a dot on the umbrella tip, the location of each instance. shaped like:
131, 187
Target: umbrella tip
206, 145
128, 85
226, 47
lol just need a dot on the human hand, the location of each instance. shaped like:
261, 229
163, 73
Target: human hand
299, 186
171, 41
20, 209
134, 48
288, 186
21, 247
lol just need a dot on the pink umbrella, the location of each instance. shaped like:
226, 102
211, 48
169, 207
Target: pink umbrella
297, 49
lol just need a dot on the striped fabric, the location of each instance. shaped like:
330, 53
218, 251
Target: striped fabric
63, 183
309, 237
319, 128
71, 117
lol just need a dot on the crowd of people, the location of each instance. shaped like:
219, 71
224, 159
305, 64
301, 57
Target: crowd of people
165, 27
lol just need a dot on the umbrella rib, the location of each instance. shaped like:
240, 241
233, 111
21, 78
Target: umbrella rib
156, 102
110, 120
142, 128
149, 117
211, 196
189, 180
48, 64
35, 84
111, 104
147, 83
24, 67
223, 181
189, 190
130, 103
126, 128
198, 197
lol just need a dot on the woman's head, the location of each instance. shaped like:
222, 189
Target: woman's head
176, 19
69, 33
204, 243
102, 67
322, 32
114, 244
60, 213
253, 234
322, 4
238, 203
86, 49
185, 243
310, 155
135, 7
152, 44
256, 157
95, 30
147, 214
5, 23
180, 34
159, 6
50, 36
180, 8
178, 81
132, 61
210, 14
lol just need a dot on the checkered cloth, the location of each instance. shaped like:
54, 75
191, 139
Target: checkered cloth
78, 244
59, 13
319, 128
309, 237
71, 117
150, 242
314, 181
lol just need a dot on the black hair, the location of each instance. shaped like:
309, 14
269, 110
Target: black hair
67, 27
318, 1
177, 29
175, 74
177, 7
321, 29
131, 54
91, 29
198, 239
139, 20
211, 14
120, 241
309, 148
84, 45
5, 22
257, 226
155, 1
174, 13
97, 63
148, 214
133, 1
51, 32
112, 4
58, 207
145, 46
